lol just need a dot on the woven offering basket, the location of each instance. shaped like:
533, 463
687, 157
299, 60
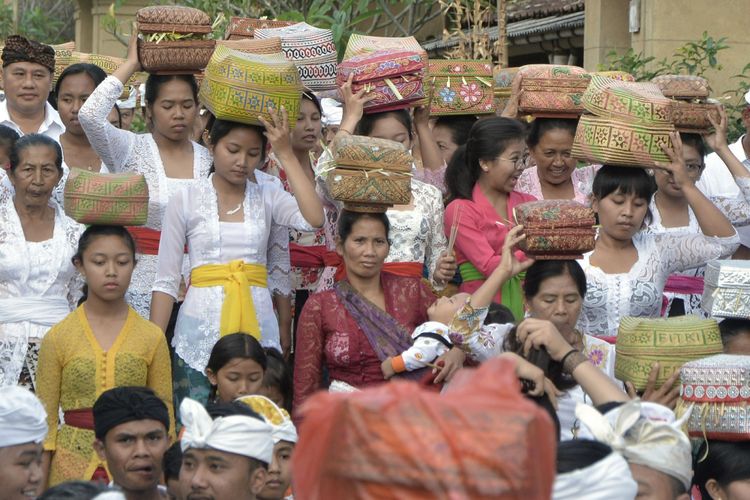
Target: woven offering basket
253, 45
94, 198
683, 86
693, 117
172, 19
240, 28
556, 229
356, 151
461, 87
180, 57
671, 342
364, 190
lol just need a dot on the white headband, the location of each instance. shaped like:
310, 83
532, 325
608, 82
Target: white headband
332, 112
238, 434
646, 434
608, 478
22, 417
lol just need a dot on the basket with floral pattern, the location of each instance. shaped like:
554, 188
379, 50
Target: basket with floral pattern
717, 388
614, 142
635, 102
393, 77
357, 151
311, 49
550, 90
243, 87
461, 87
671, 342
556, 229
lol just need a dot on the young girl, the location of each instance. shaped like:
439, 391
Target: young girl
482, 186
102, 344
628, 268
226, 221
236, 368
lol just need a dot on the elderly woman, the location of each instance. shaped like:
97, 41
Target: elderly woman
365, 318
38, 284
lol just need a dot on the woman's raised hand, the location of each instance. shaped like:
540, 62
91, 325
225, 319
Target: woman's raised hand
509, 263
676, 166
717, 139
278, 134
537, 333
354, 104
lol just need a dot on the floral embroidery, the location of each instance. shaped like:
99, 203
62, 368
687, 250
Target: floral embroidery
596, 356
470, 93
447, 94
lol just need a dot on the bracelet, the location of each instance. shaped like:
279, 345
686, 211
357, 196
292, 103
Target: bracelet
345, 131
572, 362
564, 358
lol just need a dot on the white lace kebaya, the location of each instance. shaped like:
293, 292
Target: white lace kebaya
125, 151
192, 217
610, 297
39, 285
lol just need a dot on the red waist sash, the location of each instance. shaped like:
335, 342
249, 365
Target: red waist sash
688, 285
307, 256
403, 269
82, 418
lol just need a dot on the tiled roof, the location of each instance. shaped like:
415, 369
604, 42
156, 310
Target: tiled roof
528, 9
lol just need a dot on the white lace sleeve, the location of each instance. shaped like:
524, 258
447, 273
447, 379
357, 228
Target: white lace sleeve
277, 261
112, 144
437, 242
172, 245
680, 252
737, 210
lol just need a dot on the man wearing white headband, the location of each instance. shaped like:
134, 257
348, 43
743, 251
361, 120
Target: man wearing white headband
129, 105
333, 112
284, 436
226, 457
650, 438
23, 427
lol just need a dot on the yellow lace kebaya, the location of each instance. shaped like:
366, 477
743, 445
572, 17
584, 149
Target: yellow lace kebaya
74, 371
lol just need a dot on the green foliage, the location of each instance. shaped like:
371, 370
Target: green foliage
693, 58
48, 22
736, 103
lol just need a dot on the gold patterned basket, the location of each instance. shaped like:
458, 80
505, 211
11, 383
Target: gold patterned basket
615, 75
253, 45
94, 198
671, 342
243, 87
613, 142
356, 151
364, 190
627, 101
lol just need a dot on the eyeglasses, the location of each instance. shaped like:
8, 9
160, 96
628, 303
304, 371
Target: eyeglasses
519, 163
694, 168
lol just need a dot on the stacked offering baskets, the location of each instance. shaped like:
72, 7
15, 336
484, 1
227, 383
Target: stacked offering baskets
311, 49
461, 87
556, 229
242, 87
548, 90
628, 126
727, 289
503, 86
172, 39
671, 342
717, 389
94, 198
691, 106
370, 175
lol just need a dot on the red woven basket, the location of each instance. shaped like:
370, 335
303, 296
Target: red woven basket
179, 57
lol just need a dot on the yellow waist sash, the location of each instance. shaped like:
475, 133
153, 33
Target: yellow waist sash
238, 310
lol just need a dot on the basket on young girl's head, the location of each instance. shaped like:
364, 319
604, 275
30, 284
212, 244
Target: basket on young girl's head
95, 198
370, 175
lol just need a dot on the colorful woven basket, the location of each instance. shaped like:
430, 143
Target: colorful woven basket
627, 101
369, 191
365, 44
727, 289
243, 87
311, 49
556, 229
615, 75
683, 86
240, 28
356, 151
671, 342
694, 117
461, 87
94, 198
612, 142
551, 90
108, 63
393, 78
253, 46
718, 390
172, 18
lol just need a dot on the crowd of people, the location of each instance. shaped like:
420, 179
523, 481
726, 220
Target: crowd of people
179, 359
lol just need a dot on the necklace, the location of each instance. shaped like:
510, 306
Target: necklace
232, 212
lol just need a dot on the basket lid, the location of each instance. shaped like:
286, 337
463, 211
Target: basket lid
177, 18
636, 102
